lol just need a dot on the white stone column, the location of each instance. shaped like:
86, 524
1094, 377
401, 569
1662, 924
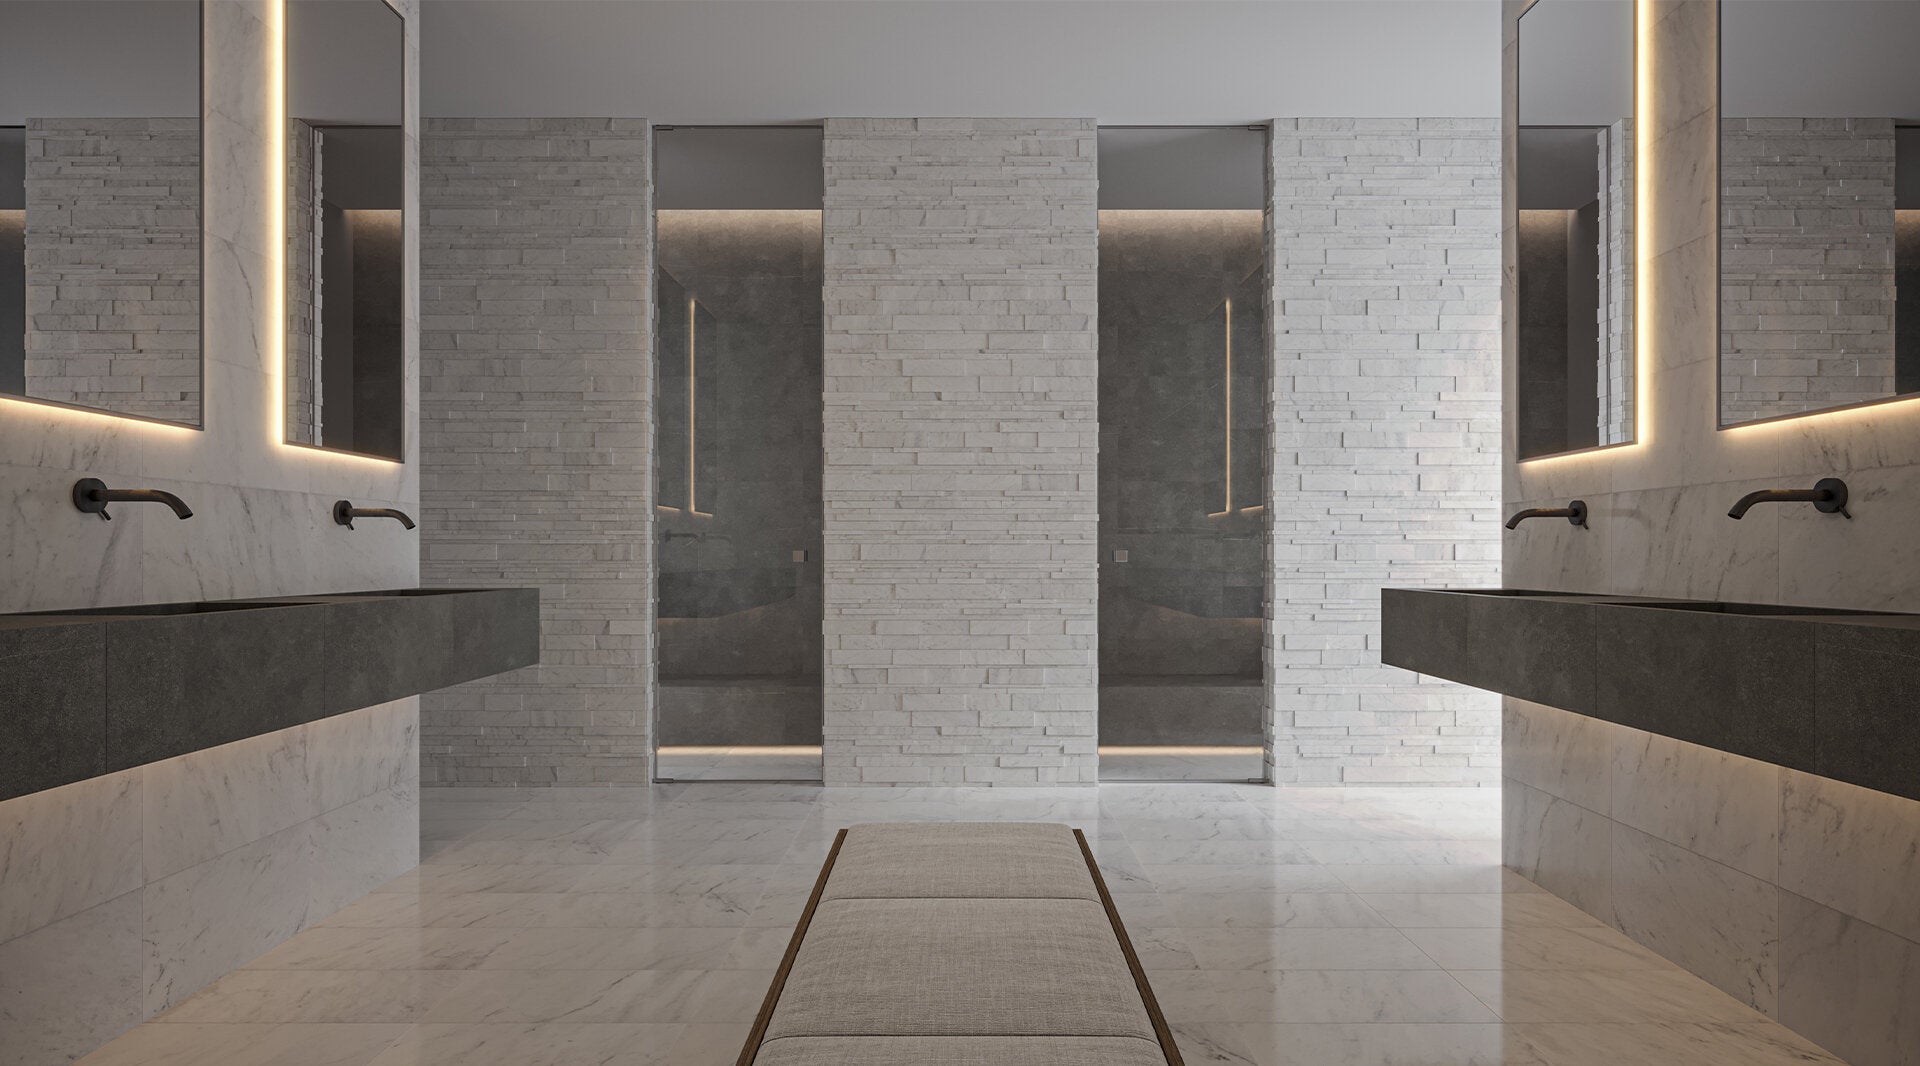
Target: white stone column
961, 438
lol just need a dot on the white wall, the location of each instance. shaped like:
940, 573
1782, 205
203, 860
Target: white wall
1158, 61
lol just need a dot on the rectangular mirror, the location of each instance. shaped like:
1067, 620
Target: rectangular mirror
1573, 222
346, 256
100, 205
1819, 206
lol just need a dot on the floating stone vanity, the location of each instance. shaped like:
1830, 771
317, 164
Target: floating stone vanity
1825, 691
92, 691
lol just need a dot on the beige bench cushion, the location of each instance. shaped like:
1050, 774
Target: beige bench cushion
960, 1051
959, 859
960, 967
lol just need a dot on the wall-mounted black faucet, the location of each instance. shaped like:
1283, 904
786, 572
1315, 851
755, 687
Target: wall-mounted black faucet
91, 495
344, 512
1574, 512
1828, 496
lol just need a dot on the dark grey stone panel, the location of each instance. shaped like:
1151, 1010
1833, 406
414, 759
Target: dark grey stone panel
53, 684
1539, 650
1867, 691
741, 711
1425, 632
182, 683
1182, 710
1735, 683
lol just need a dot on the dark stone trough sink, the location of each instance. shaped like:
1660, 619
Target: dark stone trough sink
1824, 690
99, 689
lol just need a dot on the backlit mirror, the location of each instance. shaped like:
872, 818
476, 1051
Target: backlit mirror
346, 258
1819, 206
1574, 226
100, 205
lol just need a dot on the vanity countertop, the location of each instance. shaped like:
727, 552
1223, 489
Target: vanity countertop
1826, 691
95, 690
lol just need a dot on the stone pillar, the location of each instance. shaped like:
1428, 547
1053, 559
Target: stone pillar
1385, 418
961, 436
537, 437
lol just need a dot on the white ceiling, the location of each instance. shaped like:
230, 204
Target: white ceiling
1123, 62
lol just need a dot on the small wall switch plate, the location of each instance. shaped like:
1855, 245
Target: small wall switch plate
800, 555
1120, 555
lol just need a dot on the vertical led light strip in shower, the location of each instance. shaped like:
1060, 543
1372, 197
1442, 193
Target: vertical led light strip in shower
693, 312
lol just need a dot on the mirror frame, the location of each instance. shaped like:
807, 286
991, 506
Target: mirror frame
409, 266
1720, 423
1510, 220
200, 282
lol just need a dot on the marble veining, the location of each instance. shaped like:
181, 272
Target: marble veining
640, 925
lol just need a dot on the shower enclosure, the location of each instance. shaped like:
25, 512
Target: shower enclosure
1183, 383
738, 452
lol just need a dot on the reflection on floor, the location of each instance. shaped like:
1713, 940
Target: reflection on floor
1323, 926
794, 762
1191, 763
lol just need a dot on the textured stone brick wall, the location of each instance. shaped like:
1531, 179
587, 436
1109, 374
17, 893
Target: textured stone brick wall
303, 247
1615, 372
1806, 264
536, 436
113, 264
961, 437
1385, 418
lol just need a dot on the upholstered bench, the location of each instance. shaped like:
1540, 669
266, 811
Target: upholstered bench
960, 944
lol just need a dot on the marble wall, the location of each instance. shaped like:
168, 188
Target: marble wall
126, 893
120, 895
1772, 884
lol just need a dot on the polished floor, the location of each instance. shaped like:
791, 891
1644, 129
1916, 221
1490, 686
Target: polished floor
1323, 927
802, 763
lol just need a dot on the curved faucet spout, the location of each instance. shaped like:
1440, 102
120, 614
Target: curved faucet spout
1828, 496
344, 512
1574, 512
91, 496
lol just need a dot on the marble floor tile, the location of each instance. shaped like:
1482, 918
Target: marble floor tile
1474, 910
1316, 996
525, 996
549, 927
266, 997
535, 1044
302, 1044
1375, 1044
1591, 947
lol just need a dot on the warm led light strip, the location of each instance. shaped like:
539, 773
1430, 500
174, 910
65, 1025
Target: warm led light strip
277, 245
693, 308
1642, 242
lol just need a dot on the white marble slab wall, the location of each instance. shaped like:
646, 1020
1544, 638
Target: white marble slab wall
1792, 892
120, 895
1384, 452
124, 894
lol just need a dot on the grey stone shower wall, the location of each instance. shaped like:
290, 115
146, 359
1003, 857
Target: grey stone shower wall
536, 437
733, 602
1187, 600
113, 264
961, 433
1806, 264
1384, 461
